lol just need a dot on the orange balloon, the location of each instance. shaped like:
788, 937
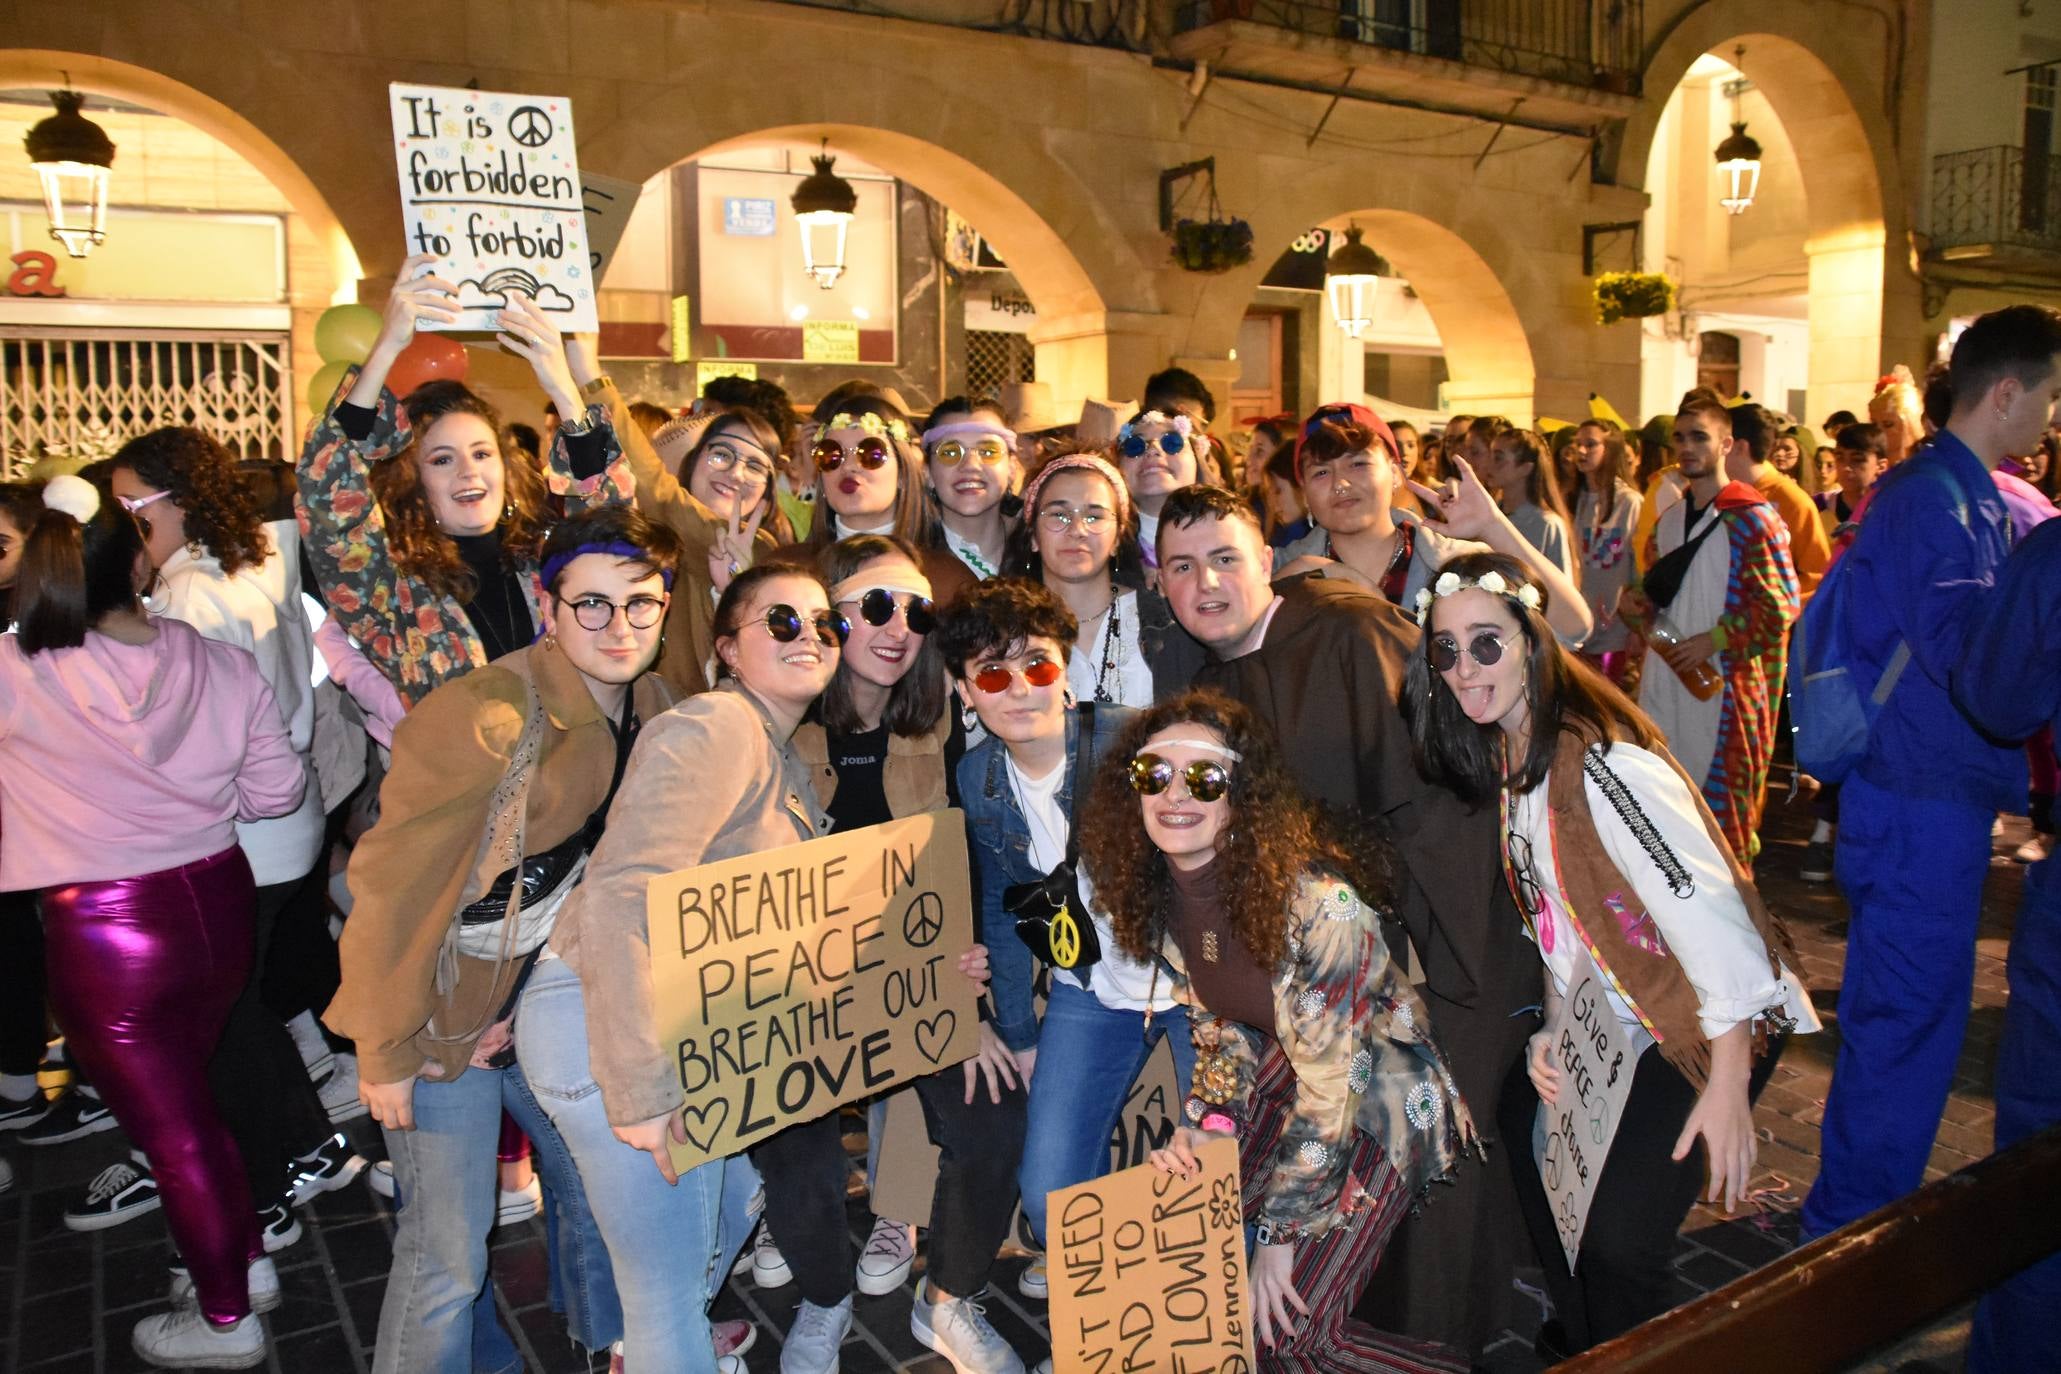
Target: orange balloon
428, 358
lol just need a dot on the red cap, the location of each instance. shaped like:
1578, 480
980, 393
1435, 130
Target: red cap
1351, 414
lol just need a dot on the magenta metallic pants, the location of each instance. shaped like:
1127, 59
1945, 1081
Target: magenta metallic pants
142, 974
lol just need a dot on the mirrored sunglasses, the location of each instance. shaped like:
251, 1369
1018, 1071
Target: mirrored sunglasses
871, 453
877, 607
1152, 775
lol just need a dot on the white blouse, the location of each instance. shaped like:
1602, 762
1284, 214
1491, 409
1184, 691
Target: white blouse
1115, 661
1708, 931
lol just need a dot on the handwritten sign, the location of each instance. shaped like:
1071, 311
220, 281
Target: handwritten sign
1596, 1054
795, 980
830, 341
1147, 1271
609, 203
490, 183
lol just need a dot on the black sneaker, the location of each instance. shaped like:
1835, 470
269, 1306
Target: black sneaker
27, 1112
120, 1192
71, 1117
328, 1167
1817, 863
279, 1226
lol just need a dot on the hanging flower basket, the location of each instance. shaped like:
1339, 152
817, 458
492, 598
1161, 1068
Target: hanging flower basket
1632, 296
1212, 245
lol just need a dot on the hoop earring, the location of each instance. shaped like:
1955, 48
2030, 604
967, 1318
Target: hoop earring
969, 719
1067, 698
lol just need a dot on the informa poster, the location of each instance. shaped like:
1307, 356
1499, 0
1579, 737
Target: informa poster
1596, 1056
793, 981
490, 183
1147, 1270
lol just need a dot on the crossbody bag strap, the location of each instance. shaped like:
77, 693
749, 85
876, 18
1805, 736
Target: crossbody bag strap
1082, 769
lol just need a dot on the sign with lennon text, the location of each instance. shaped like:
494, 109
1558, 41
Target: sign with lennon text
490, 183
1147, 1270
793, 981
1596, 1054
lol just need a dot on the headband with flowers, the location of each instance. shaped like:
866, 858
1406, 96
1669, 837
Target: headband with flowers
1180, 424
1492, 582
871, 423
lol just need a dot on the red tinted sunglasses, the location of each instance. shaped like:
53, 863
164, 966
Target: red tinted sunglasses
995, 678
870, 453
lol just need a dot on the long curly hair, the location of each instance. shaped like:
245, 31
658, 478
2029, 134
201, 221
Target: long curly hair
1274, 839
419, 546
222, 512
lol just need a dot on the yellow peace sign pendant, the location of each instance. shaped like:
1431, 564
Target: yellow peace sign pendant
1066, 939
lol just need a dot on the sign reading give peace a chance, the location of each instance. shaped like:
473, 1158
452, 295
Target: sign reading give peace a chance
1596, 1055
490, 183
793, 981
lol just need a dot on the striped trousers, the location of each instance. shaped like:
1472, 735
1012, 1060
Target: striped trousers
1332, 1270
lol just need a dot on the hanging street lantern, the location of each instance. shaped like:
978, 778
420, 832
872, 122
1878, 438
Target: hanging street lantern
1738, 157
72, 156
824, 203
1351, 276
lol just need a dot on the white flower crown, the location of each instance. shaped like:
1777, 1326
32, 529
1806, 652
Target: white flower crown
1491, 582
870, 423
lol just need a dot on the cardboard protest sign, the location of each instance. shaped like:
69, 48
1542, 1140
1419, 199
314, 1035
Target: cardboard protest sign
798, 979
490, 183
908, 1161
1596, 1055
609, 202
1147, 1270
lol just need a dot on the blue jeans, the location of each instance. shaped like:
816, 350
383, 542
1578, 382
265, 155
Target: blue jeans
1088, 1056
664, 1239
438, 1316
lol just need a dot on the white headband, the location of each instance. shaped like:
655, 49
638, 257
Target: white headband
852, 588
1207, 747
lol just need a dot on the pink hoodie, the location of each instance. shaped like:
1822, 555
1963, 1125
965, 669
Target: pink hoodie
118, 760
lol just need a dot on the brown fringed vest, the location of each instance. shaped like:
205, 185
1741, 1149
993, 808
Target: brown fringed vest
1605, 910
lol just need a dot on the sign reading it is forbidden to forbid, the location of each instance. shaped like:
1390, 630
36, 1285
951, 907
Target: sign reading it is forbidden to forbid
490, 183
793, 981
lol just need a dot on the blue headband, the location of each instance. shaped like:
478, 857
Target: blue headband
558, 562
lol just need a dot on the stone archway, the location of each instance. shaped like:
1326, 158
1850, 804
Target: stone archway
1863, 299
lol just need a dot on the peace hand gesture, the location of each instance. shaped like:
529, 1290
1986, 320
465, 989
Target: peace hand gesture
732, 552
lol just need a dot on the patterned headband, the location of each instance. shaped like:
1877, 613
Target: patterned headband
871, 423
1491, 582
1079, 462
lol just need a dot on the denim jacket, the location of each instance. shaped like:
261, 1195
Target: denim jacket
1001, 858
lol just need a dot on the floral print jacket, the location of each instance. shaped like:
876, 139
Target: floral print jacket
1358, 1037
415, 635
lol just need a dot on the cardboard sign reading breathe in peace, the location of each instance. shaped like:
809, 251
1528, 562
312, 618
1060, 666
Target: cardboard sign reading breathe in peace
1147, 1270
796, 980
490, 183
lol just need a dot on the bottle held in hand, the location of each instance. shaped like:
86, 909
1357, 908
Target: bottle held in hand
1702, 680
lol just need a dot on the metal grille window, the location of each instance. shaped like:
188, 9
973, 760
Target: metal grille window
82, 392
994, 358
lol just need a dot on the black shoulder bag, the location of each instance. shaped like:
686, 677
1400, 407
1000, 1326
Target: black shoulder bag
1051, 919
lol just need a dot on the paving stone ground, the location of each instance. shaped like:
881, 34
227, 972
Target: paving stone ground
67, 1301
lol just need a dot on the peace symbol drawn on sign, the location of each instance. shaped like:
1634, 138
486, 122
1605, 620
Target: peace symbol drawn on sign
1066, 939
924, 920
530, 126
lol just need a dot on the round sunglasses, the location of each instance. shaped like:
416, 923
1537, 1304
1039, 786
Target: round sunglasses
1152, 775
1485, 649
1170, 443
870, 453
877, 607
784, 623
952, 453
995, 678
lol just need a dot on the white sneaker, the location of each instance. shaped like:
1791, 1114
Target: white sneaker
184, 1339
815, 1338
264, 1286
380, 1178
339, 1091
958, 1329
731, 1364
520, 1204
2036, 850
1032, 1282
314, 1050
768, 1268
885, 1262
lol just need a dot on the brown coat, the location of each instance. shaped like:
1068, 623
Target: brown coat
913, 776
410, 875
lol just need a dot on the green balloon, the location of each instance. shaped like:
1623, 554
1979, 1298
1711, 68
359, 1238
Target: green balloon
322, 386
346, 333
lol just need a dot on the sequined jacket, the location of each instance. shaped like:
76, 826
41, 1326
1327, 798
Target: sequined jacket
1358, 1036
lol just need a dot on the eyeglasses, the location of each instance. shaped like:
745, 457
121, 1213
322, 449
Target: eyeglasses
1152, 775
871, 453
133, 506
597, 613
990, 451
1485, 649
1170, 443
877, 607
995, 678
722, 458
1059, 519
1531, 898
784, 623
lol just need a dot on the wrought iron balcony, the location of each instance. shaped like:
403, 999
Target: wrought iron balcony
1997, 204
1593, 44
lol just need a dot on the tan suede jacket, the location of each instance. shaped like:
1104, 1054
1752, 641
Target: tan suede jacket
913, 777
709, 780
417, 866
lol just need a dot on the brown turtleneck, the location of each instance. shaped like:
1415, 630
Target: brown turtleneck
1232, 985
